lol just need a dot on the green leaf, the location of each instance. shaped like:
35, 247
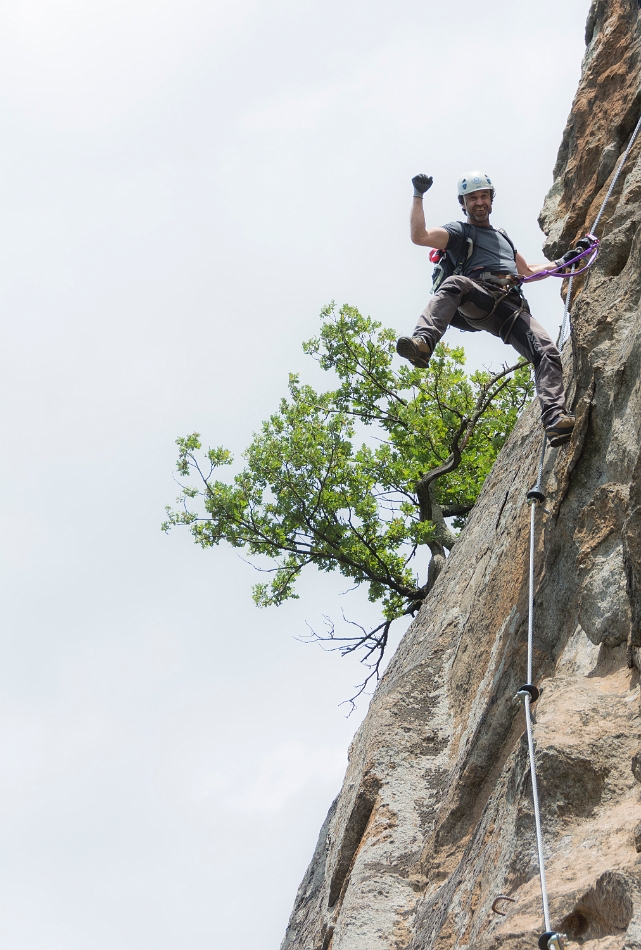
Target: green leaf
331, 477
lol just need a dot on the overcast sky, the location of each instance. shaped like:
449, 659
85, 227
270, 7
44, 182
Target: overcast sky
185, 185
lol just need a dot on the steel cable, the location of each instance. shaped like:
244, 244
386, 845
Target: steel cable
527, 698
537, 813
566, 313
527, 693
616, 176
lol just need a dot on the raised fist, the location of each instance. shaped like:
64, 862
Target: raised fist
422, 183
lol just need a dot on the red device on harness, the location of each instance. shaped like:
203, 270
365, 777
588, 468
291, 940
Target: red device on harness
436, 255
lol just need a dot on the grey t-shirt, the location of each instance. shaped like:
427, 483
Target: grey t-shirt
492, 252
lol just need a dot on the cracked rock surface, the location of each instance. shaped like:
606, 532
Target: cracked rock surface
435, 817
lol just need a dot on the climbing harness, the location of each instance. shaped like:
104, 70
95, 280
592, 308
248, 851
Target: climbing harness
446, 266
500, 288
528, 693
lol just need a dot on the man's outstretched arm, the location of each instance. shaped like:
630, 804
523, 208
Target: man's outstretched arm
427, 237
529, 270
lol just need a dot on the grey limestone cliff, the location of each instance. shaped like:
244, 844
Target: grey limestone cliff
434, 819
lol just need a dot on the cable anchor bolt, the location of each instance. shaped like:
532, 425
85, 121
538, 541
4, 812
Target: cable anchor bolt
551, 940
527, 690
535, 496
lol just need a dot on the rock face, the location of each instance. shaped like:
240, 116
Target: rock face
435, 817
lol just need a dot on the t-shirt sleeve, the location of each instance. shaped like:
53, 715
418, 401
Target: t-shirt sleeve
455, 231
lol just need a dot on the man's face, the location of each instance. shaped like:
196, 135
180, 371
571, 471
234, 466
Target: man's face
479, 205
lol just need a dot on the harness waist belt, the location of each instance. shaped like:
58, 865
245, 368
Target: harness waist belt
509, 280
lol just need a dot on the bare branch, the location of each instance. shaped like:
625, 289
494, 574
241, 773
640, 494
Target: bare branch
373, 643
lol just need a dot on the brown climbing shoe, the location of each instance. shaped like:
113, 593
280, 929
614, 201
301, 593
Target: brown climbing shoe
561, 431
415, 349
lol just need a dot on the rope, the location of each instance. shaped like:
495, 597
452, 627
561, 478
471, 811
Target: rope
560, 270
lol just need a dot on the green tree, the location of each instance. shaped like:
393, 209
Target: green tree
360, 478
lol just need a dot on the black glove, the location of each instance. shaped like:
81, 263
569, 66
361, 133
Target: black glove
422, 183
581, 246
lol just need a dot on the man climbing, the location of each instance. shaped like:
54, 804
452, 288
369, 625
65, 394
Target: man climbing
483, 293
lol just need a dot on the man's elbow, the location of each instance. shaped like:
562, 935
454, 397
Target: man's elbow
419, 237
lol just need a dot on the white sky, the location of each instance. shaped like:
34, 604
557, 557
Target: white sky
185, 185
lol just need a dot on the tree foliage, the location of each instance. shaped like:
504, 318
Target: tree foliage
361, 477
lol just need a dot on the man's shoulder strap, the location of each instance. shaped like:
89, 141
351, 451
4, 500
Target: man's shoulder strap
508, 239
467, 244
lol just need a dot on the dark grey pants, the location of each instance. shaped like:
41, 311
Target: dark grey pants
528, 337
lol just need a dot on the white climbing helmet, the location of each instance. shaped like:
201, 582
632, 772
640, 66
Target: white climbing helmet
474, 181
